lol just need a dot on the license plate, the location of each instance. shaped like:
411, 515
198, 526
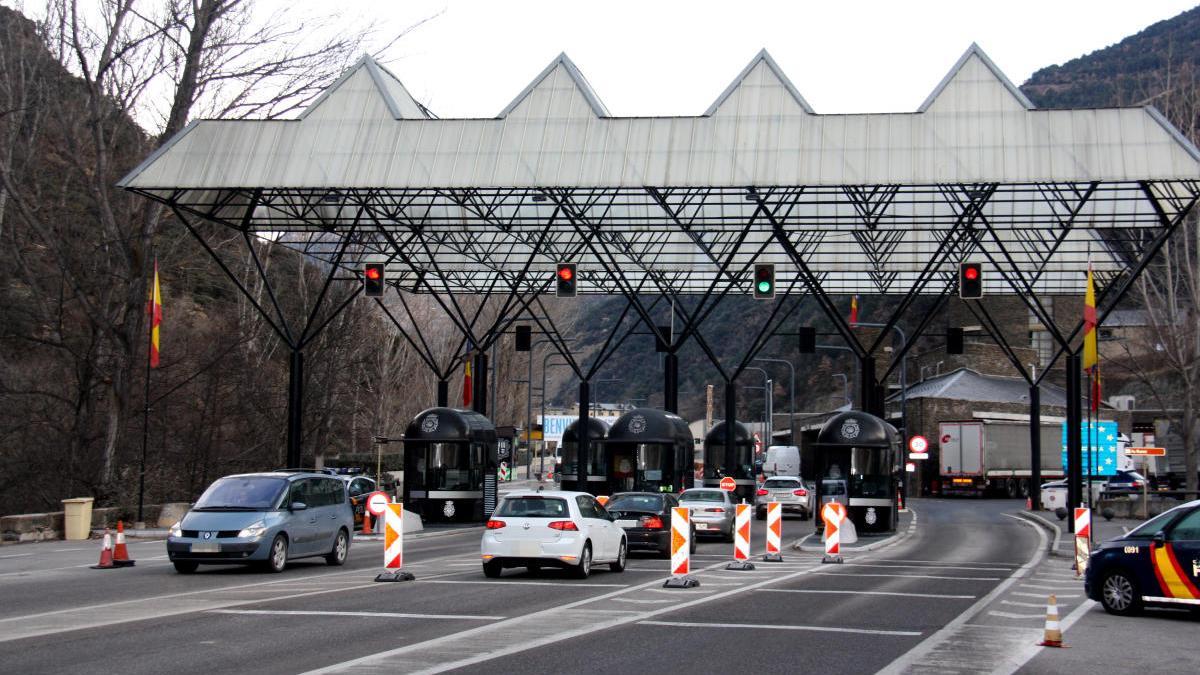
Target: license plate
701, 526
206, 548
627, 523
528, 548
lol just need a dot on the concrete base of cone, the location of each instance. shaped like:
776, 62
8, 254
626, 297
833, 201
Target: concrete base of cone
743, 565
681, 582
773, 557
831, 559
395, 576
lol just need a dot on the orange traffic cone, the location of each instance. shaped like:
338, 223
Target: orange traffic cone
120, 556
366, 522
1053, 634
1029, 503
106, 555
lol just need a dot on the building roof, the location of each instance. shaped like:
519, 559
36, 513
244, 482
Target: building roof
965, 384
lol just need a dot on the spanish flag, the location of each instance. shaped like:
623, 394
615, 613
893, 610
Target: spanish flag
853, 310
467, 383
1090, 355
155, 317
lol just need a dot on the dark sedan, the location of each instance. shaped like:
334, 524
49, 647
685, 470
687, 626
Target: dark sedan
646, 519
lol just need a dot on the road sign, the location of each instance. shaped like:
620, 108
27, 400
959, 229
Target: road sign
910, 467
377, 503
728, 484
1146, 452
532, 435
918, 444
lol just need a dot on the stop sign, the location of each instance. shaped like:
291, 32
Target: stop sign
377, 503
728, 484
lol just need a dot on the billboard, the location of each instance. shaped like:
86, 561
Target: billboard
1099, 440
553, 426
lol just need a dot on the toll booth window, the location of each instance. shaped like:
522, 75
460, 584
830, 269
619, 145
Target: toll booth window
570, 456
449, 466
650, 460
870, 472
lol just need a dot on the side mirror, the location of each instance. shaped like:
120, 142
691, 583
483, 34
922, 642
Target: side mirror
1160, 539
297, 506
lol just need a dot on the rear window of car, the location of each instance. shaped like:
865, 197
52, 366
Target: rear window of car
635, 503
533, 507
702, 496
781, 483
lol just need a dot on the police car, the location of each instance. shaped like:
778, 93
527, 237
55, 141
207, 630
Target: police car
1156, 564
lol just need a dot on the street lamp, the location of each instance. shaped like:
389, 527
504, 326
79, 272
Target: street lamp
791, 398
768, 424
846, 390
529, 400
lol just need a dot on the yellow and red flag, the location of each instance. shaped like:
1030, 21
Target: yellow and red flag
854, 310
155, 317
1090, 354
467, 383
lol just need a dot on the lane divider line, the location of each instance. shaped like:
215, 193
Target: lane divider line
763, 626
888, 593
377, 615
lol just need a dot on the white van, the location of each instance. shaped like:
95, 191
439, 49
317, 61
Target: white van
782, 460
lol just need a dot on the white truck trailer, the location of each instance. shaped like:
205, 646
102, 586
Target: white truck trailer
990, 457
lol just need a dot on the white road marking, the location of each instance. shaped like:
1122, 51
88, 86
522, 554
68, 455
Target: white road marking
899, 595
375, 615
523, 583
932, 567
641, 601
1042, 586
1042, 595
1030, 649
955, 562
64, 550
763, 626
1009, 615
906, 576
1014, 603
17, 555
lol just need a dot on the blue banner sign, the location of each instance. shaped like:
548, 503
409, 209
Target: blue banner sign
1099, 441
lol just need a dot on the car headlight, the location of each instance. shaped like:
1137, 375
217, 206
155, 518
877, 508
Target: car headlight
176, 530
253, 531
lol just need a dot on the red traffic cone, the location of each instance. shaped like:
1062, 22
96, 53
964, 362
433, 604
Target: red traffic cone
120, 556
1053, 631
366, 522
106, 555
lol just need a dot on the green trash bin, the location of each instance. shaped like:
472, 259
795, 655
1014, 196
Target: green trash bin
77, 518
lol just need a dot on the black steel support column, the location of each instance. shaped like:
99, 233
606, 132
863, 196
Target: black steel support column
730, 420
1035, 447
671, 383
443, 393
295, 407
1074, 439
868, 395
479, 383
583, 446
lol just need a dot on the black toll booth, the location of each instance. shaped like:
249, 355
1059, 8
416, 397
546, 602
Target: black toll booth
648, 450
858, 463
450, 461
597, 475
743, 466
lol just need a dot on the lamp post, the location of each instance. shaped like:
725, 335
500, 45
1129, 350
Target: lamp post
529, 402
791, 398
766, 399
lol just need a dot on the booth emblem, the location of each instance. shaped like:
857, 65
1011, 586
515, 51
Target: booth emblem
429, 424
448, 509
850, 429
637, 424
870, 517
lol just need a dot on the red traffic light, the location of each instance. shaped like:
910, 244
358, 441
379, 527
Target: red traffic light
566, 273
971, 273
374, 273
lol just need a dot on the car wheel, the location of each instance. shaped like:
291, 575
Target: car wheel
1119, 594
584, 568
728, 537
761, 514
341, 549
804, 515
277, 558
533, 570
185, 567
694, 544
492, 569
619, 565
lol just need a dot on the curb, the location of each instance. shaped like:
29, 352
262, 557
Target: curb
1049, 525
886, 541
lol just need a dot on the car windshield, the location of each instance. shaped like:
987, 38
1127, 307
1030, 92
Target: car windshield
532, 507
1154, 525
702, 496
635, 503
781, 483
242, 493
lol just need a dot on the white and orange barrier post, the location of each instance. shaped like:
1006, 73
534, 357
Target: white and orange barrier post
681, 549
120, 552
393, 545
833, 514
741, 539
774, 532
1083, 540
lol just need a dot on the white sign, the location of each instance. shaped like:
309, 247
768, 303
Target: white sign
910, 467
918, 455
918, 445
377, 503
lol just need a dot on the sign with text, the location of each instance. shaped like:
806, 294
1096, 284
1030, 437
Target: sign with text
1099, 440
1146, 452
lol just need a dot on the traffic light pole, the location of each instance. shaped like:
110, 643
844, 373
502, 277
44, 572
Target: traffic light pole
583, 441
671, 383
295, 407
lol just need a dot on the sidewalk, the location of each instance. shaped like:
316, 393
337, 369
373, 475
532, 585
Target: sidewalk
866, 542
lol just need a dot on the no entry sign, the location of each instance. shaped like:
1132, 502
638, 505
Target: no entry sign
377, 503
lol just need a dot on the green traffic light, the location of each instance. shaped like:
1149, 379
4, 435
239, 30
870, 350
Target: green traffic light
764, 287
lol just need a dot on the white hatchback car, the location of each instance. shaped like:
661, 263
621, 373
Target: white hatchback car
552, 528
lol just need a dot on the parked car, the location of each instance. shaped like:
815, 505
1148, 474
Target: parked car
646, 519
1125, 483
552, 528
791, 493
267, 518
1054, 494
1156, 564
711, 511
358, 488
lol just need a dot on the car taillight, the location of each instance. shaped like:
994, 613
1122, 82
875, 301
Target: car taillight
652, 522
565, 525
800, 493
716, 509
1137, 484
762, 492
495, 524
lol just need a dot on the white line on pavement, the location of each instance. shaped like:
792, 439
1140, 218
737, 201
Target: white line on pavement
1029, 650
376, 615
523, 583
1042, 595
1014, 603
758, 626
641, 601
1043, 587
905, 576
932, 567
899, 595
955, 562
17, 555
1010, 615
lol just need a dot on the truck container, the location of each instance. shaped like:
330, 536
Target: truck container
990, 457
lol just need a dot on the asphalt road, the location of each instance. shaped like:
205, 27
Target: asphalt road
896, 607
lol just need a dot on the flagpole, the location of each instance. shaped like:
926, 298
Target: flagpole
1089, 446
146, 403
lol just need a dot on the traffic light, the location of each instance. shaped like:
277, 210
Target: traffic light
373, 280
764, 281
954, 340
524, 338
970, 281
808, 340
564, 275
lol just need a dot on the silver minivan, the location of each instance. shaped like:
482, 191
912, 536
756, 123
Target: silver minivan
267, 519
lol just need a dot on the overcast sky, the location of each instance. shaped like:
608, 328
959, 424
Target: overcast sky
658, 57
